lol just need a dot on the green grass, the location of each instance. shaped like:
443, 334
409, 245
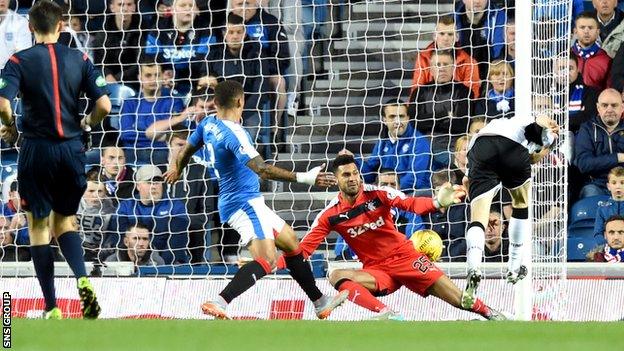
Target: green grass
186, 335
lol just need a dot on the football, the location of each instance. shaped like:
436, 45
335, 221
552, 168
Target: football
428, 242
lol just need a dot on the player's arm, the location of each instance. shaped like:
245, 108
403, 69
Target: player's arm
446, 196
101, 109
195, 142
536, 157
94, 85
9, 87
6, 112
311, 177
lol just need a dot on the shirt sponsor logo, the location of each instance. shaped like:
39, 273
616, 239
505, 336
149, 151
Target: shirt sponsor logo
361, 229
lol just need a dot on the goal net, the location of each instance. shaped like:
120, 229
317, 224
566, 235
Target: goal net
400, 84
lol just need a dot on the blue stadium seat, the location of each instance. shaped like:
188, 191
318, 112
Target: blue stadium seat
117, 94
578, 247
584, 210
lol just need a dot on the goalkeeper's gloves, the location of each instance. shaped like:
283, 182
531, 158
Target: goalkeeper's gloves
308, 177
446, 196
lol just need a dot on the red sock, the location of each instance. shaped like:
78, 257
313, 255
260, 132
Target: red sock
480, 308
359, 295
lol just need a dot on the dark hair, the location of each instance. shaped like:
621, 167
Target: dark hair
137, 225
342, 160
44, 16
447, 20
613, 219
446, 52
94, 174
227, 92
235, 19
393, 101
178, 133
147, 60
587, 15
440, 177
14, 186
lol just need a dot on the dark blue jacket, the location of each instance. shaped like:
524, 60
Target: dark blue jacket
596, 150
138, 114
409, 157
266, 29
605, 210
494, 28
168, 222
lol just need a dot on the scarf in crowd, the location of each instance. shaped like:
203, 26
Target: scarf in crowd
613, 255
585, 52
501, 100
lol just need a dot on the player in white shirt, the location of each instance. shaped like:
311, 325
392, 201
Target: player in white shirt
14, 33
239, 167
501, 154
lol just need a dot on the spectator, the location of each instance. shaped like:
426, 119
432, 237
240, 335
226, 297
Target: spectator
116, 48
197, 192
238, 58
72, 34
615, 205
443, 107
404, 150
617, 69
266, 29
94, 214
500, 97
12, 211
609, 20
509, 54
165, 218
115, 174
599, 145
481, 28
496, 247
136, 241
613, 250
181, 44
154, 103
460, 159
476, 124
445, 38
582, 99
14, 33
9, 252
594, 63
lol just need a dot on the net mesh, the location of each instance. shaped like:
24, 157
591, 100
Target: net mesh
317, 74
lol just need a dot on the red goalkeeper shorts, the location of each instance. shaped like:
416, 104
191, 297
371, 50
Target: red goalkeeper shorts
411, 269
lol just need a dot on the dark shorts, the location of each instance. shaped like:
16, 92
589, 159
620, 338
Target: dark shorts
493, 160
51, 176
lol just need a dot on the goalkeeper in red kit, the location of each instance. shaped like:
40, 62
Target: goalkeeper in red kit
361, 215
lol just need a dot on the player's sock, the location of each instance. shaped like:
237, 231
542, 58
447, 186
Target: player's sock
480, 308
475, 240
245, 278
301, 272
43, 260
359, 295
71, 247
519, 227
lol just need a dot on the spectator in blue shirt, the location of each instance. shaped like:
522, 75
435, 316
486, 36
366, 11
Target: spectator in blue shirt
166, 219
615, 205
404, 150
154, 103
12, 212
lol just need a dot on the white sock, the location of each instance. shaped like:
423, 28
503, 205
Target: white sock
518, 230
475, 240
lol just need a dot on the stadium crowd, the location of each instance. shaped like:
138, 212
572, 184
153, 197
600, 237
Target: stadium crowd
162, 58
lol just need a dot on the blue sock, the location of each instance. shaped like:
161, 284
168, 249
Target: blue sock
43, 260
71, 247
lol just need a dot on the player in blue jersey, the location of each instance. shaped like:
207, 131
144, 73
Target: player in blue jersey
51, 165
239, 168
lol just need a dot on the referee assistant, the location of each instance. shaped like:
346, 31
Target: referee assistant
51, 165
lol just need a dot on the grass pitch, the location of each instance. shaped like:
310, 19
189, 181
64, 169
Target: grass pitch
186, 335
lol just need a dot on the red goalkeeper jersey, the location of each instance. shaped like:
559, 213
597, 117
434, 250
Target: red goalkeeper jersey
367, 225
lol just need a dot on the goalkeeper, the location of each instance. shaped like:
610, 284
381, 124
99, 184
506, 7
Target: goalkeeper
361, 215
